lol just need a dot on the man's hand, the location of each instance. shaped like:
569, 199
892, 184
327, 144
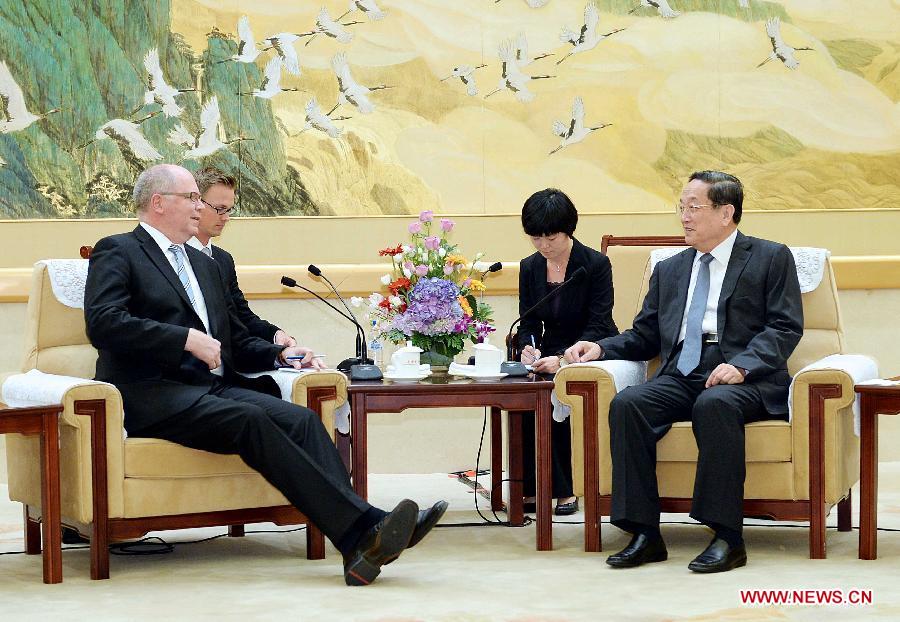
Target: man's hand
583, 351
530, 355
306, 361
283, 339
546, 365
204, 347
725, 374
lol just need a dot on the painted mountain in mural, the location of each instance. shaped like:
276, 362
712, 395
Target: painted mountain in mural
89, 60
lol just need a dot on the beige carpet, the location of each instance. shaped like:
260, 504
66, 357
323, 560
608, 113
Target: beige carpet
466, 573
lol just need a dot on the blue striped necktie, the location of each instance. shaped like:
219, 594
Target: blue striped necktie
693, 333
181, 269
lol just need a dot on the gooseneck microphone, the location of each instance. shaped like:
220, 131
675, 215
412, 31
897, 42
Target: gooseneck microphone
494, 267
361, 368
516, 368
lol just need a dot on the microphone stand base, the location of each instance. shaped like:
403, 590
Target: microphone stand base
513, 368
347, 364
365, 371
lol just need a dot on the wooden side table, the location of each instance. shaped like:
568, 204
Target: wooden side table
514, 395
42, 420
874, 401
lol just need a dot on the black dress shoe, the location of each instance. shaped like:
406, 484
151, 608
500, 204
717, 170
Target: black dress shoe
642, 549
566, 509
719, 556
426, 520
381, 544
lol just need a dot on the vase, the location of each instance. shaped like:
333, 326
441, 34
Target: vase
439, 359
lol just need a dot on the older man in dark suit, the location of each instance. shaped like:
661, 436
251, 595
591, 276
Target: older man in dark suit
723, 317
170, 340
217, 194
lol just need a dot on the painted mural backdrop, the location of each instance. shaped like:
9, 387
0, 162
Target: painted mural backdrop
351, 107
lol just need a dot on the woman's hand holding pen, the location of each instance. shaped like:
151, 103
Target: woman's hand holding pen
530, 354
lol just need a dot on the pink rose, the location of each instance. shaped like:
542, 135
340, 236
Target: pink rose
426, 216
415, 227
448, 269
432, 242
446, 224
408, 265
421, 270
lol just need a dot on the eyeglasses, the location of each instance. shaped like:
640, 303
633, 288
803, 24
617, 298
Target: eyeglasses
221, 210
692, 209
193, 197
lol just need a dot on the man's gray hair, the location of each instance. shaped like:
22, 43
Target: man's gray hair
155, 179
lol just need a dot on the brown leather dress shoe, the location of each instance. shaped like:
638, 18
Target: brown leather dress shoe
719, 556
641, 550
381, 544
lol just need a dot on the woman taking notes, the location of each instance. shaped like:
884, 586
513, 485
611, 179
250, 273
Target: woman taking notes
582, 312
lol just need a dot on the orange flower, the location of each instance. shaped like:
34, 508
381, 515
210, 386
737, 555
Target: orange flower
390, 252
476, 286
455, 260
398, 284
467, 309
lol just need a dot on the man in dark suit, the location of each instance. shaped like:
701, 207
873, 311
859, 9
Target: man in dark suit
723, 317
217, 195
170, 340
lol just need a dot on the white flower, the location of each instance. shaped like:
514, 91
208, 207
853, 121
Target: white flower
442, 251
375, 298
398, 257
407, 272
406, 248
395, 301
478, 256
356, 301
481, 266
386, 279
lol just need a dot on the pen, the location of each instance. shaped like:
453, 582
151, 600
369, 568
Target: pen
300, 358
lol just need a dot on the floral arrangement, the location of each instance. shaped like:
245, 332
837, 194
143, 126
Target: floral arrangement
430, 294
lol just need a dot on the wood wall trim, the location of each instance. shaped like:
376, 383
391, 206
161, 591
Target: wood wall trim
262, 282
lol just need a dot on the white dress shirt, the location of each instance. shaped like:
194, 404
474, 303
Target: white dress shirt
206, 250
717, 267
199, 301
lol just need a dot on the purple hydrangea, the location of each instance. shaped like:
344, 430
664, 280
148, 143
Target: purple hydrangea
433, 309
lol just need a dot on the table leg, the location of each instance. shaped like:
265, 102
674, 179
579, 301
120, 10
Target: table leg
542, 478
360, 468
496, 460
50, 510
868, 479
514, 456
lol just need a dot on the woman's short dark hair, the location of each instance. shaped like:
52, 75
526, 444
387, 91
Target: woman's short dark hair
724, 189
549, 211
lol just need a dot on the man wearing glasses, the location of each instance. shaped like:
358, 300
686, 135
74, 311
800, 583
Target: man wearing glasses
168, 338
218, 204
723, 317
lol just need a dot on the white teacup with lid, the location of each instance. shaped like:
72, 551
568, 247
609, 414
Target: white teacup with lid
488, 358
406, 360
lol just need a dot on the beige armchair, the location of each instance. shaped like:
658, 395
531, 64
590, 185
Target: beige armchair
795, 471
116, 488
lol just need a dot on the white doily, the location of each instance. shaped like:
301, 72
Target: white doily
35, 388
67, 278
859, 367
810, 263
624, 373
285, 380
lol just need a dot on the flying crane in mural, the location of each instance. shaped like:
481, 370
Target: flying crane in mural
511, 77
466, 75
368, 8
662, 7
331, 28
283, 44
14, 115
522, 57
588, 37
575, 131
158, 90
318, 120
206, 141
350, 91
247, 50
136, 150
780, 50
271, 84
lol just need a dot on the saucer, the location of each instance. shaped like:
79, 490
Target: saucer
394, 377
479, 377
